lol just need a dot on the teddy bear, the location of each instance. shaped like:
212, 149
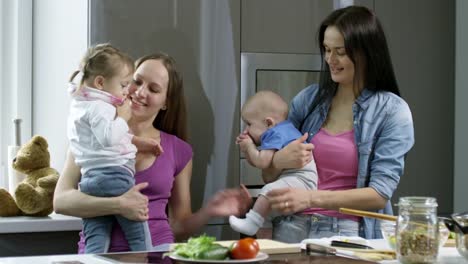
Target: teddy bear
34, 195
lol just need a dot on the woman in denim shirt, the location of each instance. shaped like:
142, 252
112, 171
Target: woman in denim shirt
359, 129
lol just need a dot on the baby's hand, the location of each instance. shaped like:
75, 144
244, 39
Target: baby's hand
241, 137
245, 142
124, 111
153, 145
158, 149
148, 145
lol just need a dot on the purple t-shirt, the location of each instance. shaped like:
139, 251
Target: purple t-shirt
160, 177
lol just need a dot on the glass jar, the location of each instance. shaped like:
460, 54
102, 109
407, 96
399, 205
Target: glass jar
417, 230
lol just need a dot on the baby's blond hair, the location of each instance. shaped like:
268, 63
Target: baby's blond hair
267, 104
104, 60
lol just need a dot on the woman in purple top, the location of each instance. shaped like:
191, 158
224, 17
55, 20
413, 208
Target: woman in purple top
158, 111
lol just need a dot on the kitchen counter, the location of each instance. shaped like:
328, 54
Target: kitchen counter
28, 224
157, 258
446, 256
32, 236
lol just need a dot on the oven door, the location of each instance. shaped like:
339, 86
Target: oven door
285, 74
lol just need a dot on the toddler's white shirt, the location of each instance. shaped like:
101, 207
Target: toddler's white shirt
97, 137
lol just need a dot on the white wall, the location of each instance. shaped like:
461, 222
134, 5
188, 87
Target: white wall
461, 108
3, 176
60, 38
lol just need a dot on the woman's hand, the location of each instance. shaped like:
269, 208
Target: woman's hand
295, 155
289, 200
69, 200
229, 202
133, 204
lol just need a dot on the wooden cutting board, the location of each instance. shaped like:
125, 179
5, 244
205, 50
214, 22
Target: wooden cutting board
266, 245
270, 246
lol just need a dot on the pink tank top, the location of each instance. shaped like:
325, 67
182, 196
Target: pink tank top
337, 165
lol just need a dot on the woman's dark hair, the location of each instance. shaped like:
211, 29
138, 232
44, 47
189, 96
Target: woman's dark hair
173, 120
365, 45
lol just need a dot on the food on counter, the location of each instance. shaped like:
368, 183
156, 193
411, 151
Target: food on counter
245, 248
388, 233
451, 235
417, 247
444, 234
392, 241
205, 247
202, 247
214, 252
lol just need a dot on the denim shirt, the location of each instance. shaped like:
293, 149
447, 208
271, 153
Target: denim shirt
383, 132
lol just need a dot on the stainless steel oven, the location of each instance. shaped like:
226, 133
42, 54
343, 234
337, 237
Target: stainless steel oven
285, 74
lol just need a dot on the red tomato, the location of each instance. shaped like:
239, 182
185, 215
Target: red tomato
245, 248
254, 243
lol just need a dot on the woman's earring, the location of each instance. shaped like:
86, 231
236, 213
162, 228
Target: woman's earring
164, 108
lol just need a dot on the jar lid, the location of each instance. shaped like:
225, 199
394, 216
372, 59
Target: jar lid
417, 201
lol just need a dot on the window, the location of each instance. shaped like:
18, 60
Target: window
15, 74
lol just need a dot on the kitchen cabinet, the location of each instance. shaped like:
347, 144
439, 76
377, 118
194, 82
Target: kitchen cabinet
39, 243
421, 39
33, 236
204, 39
279, 26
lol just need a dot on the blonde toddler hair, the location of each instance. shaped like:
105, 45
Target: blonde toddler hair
104, 60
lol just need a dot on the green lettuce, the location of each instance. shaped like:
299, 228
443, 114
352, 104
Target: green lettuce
194, 247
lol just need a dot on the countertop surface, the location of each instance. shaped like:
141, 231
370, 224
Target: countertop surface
447, 255
52, 223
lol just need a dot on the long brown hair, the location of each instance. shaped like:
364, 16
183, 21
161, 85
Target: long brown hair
173, 120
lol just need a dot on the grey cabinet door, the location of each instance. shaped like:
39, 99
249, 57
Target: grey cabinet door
204, 39
421, 37
284, 26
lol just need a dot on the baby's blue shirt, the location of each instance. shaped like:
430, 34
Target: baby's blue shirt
279, 136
